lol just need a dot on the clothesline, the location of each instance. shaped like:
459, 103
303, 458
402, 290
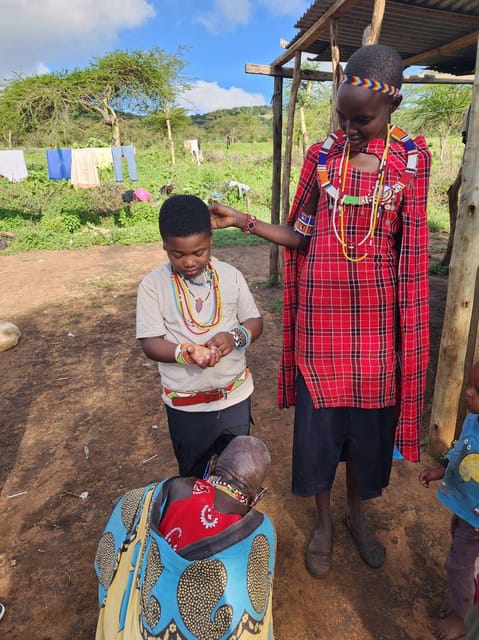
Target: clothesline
78, 165
81, 165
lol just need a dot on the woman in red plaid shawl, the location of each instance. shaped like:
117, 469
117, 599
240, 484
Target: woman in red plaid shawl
356, 301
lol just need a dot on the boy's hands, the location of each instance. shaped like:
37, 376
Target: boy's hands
202, 355
431, 474
209, 354
223, 342
223, 216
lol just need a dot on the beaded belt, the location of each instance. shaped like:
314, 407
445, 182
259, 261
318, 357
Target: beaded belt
183, 399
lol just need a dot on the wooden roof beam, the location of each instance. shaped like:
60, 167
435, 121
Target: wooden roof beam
310, 35
287, 72
449, 47
327, 76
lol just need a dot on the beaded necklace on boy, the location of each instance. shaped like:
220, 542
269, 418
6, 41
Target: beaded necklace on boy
381, 193
181, 293
208, 280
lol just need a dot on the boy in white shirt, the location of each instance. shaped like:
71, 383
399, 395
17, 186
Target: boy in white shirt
195, 317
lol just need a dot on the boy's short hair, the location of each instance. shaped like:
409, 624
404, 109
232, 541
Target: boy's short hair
182, 216
377, 62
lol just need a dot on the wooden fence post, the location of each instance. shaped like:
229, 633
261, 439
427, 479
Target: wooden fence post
459, 334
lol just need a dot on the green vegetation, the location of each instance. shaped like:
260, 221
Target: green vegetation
49, 214
137, 93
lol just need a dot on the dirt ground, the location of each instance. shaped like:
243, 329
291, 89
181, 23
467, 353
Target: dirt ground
80, 411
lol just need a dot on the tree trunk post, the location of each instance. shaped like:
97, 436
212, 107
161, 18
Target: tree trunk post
459, 334
373, 31
276, 178
116, 133
304, 131
336, 68
171, 144
289, 136
452, 199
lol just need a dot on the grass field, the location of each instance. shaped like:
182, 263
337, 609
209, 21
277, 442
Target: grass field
40, 213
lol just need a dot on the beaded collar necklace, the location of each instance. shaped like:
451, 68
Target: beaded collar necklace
381, 193
389, 191
182, 294
228, 489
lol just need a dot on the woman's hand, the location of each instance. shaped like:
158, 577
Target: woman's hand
223, 216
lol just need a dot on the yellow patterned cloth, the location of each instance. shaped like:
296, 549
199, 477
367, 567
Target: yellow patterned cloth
219, 588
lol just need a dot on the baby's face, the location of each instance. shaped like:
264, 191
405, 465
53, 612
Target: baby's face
472, 390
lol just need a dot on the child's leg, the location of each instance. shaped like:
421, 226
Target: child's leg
460, 577
370, 549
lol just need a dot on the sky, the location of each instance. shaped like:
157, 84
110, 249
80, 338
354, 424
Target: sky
219, 37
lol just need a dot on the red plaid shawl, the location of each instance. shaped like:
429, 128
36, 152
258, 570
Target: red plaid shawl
344, 321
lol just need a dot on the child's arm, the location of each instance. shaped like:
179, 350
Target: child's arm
223, 216
224, 341
161, 350
430, 474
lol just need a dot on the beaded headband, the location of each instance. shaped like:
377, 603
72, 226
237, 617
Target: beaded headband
373, 85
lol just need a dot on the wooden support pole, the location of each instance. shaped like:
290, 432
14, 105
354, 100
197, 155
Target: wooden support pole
336, 67
289, 136
459, 334
373, 31
276, 178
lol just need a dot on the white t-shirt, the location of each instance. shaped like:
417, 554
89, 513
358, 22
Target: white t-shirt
158, 315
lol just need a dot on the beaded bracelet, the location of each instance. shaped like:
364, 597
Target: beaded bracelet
241, 337
304, 224
182, 355
250, 224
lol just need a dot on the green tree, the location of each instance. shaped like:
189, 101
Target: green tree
27, 103
438, 109
139, 82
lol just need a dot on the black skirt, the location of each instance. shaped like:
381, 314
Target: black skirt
326, 436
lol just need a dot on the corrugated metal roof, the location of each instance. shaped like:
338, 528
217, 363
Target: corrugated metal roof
412, 27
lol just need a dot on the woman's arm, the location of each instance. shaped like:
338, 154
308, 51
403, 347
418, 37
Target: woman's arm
223, 216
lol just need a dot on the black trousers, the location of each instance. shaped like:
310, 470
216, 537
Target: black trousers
197, 435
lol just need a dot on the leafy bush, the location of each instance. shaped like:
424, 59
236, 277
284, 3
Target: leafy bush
137, 213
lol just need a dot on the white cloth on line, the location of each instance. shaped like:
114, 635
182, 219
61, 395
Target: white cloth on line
242, 188
12, 165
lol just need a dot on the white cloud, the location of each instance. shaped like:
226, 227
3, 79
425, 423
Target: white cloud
225, 15
209, 96
36, 34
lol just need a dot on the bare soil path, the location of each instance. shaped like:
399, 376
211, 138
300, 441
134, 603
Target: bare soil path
80, 411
